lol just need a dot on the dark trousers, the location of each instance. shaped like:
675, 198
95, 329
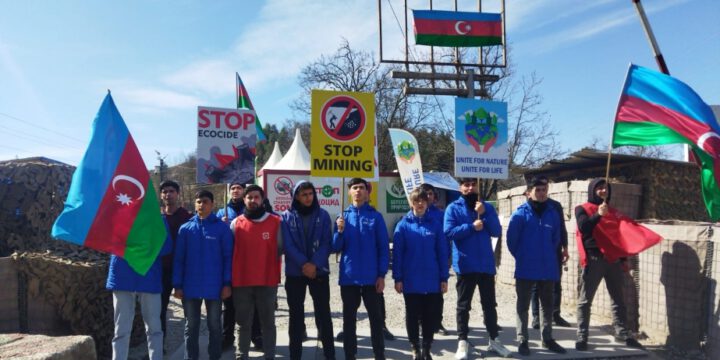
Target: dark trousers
229, 323
320, 292
466, 284
167, 289
351, 296
557, 293
523, 288
596, 270
422, 309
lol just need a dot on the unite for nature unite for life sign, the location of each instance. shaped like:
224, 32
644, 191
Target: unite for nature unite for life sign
481, 134
407, 156
226, 146
343, 134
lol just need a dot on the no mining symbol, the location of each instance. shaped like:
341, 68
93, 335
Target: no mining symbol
343, 118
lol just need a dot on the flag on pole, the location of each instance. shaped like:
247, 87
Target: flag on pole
456, 28
657, 109
112, 204
243, 102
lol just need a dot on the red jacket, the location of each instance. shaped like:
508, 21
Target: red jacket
257, 253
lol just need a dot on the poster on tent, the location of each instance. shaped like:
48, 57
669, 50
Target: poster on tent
481, 133
407, 157
279, 184
343, 134
396, 200
225, 146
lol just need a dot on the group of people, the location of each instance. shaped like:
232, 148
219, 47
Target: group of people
234, 258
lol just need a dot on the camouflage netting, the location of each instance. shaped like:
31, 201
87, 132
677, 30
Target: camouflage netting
75, 286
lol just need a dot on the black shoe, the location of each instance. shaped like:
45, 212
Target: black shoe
559, 321
426, 354
416, 353
524, 349
339, 337
535, 323
630, 342
581, 345
442, 331
553, 346
388, 335
257, 343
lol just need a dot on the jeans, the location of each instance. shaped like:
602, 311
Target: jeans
192, 327
465, 287
320, 292
557, 293
523, 289
167, 289
124, 306
247, 300
422, 309
351, 296
596, 270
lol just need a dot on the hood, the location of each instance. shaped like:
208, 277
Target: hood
592, 198
296, 204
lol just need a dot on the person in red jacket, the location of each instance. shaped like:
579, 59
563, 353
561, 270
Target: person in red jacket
256, 270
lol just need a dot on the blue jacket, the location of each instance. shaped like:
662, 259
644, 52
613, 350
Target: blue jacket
533, 241
203, 258
420, 254
364, 246
299, 248
121, 277
472, 250
232, 214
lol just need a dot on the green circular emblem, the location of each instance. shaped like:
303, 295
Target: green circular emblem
327, 191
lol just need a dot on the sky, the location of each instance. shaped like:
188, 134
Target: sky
162, 59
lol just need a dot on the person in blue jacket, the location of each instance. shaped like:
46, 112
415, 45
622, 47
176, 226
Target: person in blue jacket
420, 271
533, 237
307, 237
201, 272
469, 224
435, 211
127, 287
361, 237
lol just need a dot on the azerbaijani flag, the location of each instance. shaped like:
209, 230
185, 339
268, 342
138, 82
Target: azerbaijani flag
657, 109
112, 205
243, 102
455, 28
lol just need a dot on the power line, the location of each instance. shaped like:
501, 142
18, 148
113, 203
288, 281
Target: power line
38, 138
41, 127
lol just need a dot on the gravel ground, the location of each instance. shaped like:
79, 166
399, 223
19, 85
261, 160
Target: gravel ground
505, 296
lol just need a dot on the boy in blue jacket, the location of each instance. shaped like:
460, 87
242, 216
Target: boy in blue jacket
361, 237
469, 224
420, 271
201, 272
533, 237
127, 287
307, 236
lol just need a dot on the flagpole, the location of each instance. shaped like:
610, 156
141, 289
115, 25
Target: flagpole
651, 38
227, 190
477, 185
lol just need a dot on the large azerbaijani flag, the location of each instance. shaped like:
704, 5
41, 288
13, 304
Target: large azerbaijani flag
455, 28
657, 109
112, 205
243, 102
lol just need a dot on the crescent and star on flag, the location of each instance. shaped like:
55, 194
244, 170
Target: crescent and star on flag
462, 25
123, 198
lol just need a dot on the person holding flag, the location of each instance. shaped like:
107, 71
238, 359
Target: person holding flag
599, 261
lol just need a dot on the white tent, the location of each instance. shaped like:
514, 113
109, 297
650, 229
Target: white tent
274, 158
296, 158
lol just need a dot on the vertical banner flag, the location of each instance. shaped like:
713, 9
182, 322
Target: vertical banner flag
112, 204
456, 28
407, 156
343, 134
657, 109
226, 146
243, 102
481, 134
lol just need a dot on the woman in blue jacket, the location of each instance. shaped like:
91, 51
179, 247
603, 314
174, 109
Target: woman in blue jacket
420, 271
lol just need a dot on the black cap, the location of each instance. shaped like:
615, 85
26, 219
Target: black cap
537, 180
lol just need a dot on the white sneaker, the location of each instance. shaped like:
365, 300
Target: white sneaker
499, 348
462, 351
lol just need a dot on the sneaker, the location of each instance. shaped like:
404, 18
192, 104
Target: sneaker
388, 335
630, 342
524, 349
559, 321
535, 323
339, 337
496, 346
442, 331
581, 345
462, 350
553, 346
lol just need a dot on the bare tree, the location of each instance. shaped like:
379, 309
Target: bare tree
654, 151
